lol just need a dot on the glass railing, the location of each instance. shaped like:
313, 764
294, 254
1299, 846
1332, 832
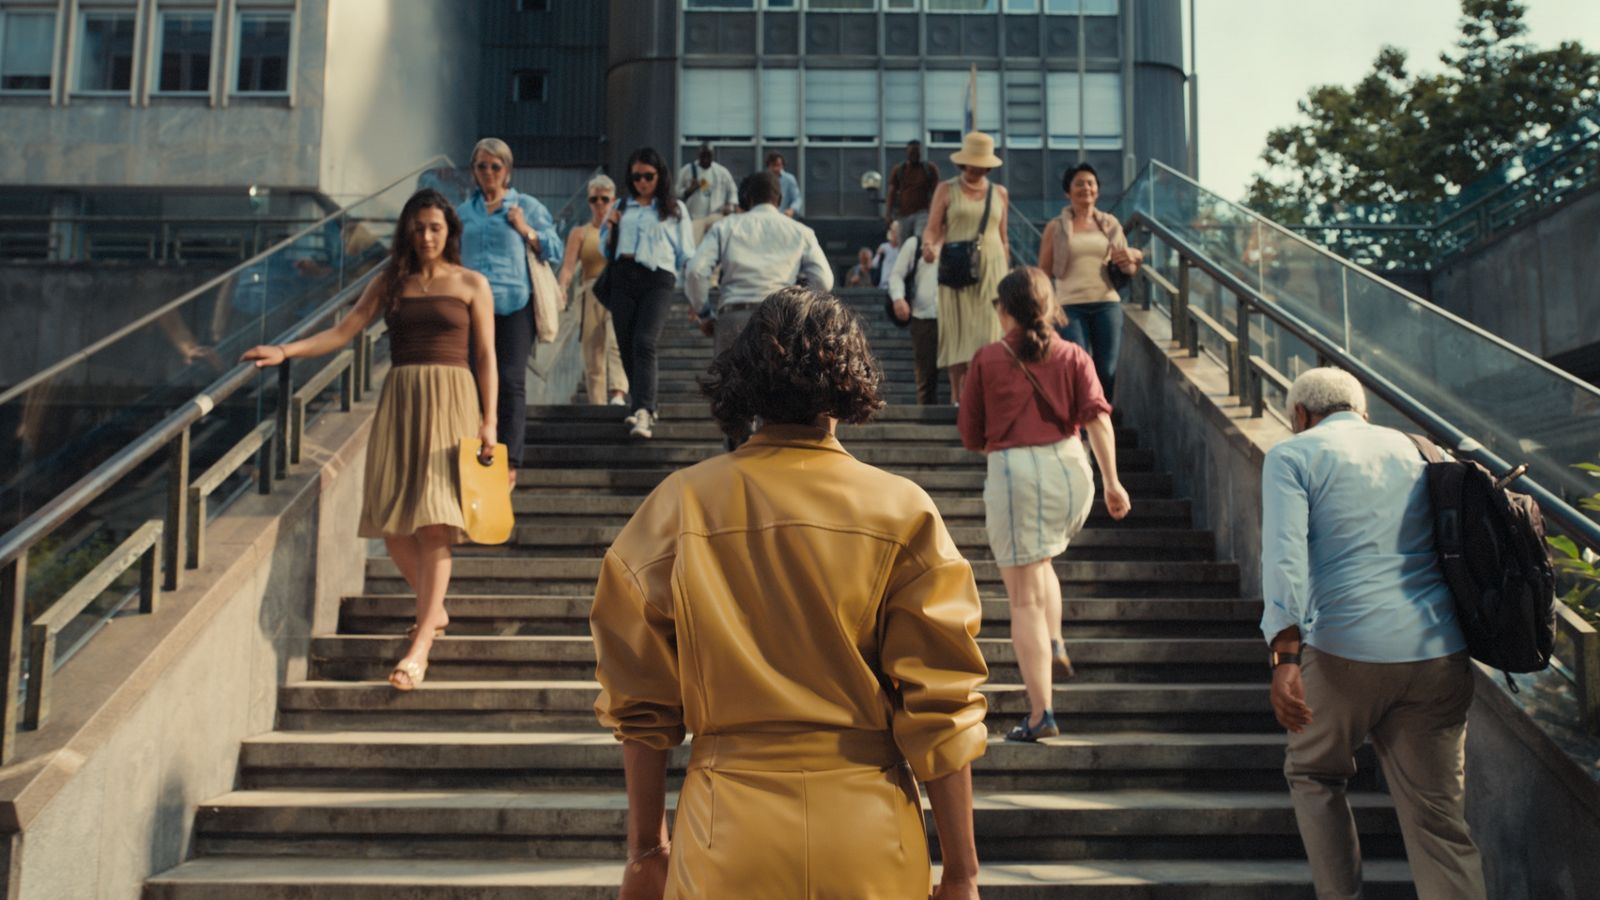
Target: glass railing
1512, 403
67, 419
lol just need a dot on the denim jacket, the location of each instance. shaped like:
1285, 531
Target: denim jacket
490, 246
663, 245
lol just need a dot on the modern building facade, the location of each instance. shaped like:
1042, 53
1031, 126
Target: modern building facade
839, 86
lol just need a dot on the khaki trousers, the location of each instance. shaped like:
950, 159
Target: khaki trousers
602, 361
1416, 715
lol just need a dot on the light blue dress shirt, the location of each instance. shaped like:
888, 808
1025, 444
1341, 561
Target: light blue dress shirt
490, 246
662, 245
759, 251
791, 194
1347, 546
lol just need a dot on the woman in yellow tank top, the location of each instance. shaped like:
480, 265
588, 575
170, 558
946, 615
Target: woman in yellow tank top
603, 378
1077, 248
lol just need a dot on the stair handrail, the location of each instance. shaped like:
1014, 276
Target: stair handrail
96, 346
1574, 523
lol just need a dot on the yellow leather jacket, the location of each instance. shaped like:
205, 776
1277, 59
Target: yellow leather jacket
789, 588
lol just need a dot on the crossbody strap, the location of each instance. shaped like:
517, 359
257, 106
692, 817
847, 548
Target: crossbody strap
616, 233
1430, 450
983, 223
1038, 389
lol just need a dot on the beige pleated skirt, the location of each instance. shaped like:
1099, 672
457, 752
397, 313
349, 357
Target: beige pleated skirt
423, 414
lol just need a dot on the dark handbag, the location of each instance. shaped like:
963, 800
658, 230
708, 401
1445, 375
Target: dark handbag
1117, 278
605, 287
960, 262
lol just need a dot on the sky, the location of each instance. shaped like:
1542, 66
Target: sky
1258, 58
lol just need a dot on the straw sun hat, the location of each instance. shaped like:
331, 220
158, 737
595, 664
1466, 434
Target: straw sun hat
977, 149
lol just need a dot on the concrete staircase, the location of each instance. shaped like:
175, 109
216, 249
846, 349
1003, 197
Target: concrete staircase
493, 780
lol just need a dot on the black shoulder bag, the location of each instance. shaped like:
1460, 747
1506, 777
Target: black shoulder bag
960, 262
604, 286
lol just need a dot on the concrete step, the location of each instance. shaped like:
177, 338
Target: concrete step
963, 482
645, 454
670, 412
361, 878
1143, 660
1128, 544
1141, 617
562, 575
567, 704
523, 761
586, 824
702, 430
539, 506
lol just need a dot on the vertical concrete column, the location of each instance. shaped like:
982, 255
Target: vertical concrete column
1156, 55
641, 81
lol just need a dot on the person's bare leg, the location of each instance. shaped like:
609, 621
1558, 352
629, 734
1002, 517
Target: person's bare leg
1030, 635
403, 550
433, 580
1050, 589
958, 376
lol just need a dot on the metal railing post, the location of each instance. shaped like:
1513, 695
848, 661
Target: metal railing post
285, 400
1180, 303
177, 522
13, 604
1241, 347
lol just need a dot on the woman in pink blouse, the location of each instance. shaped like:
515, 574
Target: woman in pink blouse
1025, 398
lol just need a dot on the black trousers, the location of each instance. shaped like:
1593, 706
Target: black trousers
513, 341
644, 296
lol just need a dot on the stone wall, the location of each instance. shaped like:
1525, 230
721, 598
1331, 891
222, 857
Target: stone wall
149, 717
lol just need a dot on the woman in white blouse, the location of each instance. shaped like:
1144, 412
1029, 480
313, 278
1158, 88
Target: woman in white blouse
655, 239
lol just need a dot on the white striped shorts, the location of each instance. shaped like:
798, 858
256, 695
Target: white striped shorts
1036, 499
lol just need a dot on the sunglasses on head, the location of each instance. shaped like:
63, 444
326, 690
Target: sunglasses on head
599, 198
642, 176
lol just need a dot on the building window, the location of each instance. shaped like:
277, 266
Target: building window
533, 5
780, 104
899, 5
843, 5
185, 53
718, 105
105, 58
528, 87
842, 106
1088, 7
902, 107
1101, 103
720, 4
962, 6
1024, 126
262, 50
26, 40
1022, 6
944, 104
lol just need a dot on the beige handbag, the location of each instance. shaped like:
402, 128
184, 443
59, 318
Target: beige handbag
546, 299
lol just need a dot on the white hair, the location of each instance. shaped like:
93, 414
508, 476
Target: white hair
496, 148
1323, 390
604, 183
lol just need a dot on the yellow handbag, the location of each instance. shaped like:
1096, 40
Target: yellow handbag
485, 493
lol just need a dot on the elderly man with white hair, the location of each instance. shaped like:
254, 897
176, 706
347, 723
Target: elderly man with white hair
1364, 639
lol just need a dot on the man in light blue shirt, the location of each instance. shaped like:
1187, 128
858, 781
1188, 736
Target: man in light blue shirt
1364, 640
790, 203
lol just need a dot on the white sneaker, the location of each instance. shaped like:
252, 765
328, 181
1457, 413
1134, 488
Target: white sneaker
642, 425
632, 418
617, 401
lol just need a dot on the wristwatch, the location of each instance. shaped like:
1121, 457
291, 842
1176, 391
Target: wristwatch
1278, 658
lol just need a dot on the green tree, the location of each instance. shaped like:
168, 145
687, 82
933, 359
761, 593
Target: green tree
1401, 137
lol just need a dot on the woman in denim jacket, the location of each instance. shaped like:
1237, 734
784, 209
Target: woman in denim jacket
499, 226
655, 239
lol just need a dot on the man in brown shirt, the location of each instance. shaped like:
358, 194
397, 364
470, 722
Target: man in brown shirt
911, 185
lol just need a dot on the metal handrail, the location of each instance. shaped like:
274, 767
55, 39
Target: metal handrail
74, 358
1364, 272
1575, 524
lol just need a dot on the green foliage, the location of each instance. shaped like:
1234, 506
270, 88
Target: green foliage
1398, 137
53, 568
1581, 567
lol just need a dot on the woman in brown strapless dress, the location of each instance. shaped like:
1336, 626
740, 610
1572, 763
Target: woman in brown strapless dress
429, 403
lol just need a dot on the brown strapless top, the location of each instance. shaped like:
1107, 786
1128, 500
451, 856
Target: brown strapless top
429, 331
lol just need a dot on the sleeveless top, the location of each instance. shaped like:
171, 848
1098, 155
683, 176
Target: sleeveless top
589, 256
1083, 279
429, 331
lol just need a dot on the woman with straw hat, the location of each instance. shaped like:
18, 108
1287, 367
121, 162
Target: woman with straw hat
967, 219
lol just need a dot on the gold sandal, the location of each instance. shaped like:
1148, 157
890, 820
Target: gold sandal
411, 633
414, 673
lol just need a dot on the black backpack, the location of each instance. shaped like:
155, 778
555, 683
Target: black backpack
1491, 548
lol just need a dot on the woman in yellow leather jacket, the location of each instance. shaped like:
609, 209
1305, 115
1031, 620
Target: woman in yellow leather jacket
808, 618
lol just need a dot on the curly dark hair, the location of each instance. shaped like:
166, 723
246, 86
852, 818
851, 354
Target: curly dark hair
803, 355
1027, 297
403, 260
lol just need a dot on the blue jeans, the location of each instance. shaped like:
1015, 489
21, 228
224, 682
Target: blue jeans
1097, 328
